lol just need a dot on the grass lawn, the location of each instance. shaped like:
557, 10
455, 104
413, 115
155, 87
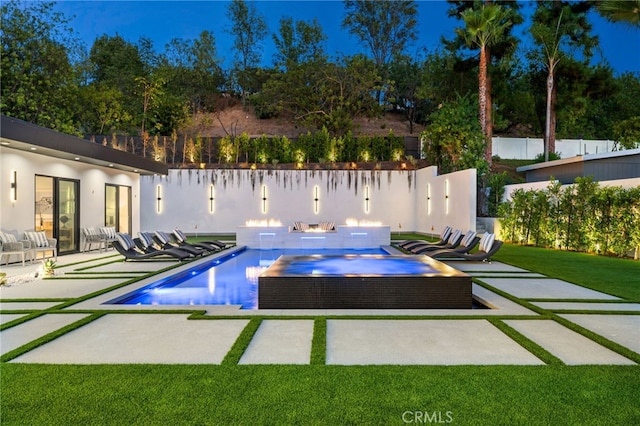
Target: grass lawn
334, 395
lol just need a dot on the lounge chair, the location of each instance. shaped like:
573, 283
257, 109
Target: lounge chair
147, 243
163, 239
444, 236
454, 240
468, 243
176, 239
181, 237
126, 246
487, 248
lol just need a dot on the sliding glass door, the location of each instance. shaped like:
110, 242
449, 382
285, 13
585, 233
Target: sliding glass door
57, 211
117, 212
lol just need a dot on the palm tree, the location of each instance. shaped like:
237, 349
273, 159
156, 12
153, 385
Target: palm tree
624, 11
484, 27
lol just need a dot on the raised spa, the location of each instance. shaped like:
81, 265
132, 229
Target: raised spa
363, 282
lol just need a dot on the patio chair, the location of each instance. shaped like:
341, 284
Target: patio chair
9, 245
90, 237
444, 236
40, 243
182, 237
163, 239
125, 245
108, 235
454, 240
468, 243
487, 248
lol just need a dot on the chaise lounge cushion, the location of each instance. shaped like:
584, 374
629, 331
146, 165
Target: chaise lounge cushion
487, 242
125, 241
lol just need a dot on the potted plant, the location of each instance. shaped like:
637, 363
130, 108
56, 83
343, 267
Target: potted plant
48, 268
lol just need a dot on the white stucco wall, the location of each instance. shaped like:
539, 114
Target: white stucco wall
509, 189
396, 198
19, 215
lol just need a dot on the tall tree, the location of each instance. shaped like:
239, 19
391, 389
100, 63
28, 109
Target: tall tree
248, 30
298, 42
385, 27
483, 28
38, 80
623, 11
559, 28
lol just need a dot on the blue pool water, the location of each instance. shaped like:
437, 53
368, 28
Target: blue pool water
231, 280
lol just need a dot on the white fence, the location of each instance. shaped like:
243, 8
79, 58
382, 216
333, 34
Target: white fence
529, 148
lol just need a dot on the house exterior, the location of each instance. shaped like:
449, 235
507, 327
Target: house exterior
59, 183
602, 167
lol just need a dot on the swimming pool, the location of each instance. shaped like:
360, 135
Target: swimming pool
227, 280
363, 282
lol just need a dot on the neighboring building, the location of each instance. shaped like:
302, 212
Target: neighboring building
602, 167
58, 183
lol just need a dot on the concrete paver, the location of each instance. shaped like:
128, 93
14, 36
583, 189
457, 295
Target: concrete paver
622, 329
57, 288
466, 266
14, 337
410, 342
136, 339
5, 318
280, 342
572, 348
27, 306
532, 288
585, 306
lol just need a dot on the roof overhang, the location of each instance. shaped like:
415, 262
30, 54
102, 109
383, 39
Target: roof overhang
20, 135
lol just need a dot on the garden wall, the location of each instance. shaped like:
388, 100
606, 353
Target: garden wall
217, 201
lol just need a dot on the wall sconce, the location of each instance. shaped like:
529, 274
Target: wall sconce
14, 185
264, 199
316, 199
428, 198
366, 199
446, 196
211, 199
158, 198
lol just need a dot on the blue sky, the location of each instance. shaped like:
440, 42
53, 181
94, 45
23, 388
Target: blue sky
162, 21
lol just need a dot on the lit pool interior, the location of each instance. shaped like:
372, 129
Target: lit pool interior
227, 280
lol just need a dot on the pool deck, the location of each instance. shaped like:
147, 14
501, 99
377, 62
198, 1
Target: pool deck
540, 309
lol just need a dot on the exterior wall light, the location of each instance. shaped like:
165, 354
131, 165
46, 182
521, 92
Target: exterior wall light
366, 199
211, 199
264, 199
446, 196
158, 199
316, 199
14, 185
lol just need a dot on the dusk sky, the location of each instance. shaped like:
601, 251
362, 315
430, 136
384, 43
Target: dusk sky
162, 21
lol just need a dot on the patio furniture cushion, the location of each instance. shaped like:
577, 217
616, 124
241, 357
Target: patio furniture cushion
39, 238
125, 241
8, 238
109, 232
468, 237
487, 242
146, 239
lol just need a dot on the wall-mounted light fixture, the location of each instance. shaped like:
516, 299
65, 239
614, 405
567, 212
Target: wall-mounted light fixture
428, 198
211, 199
446, 196
158, 199
264, 199
316, 199
14, 185
366, 199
